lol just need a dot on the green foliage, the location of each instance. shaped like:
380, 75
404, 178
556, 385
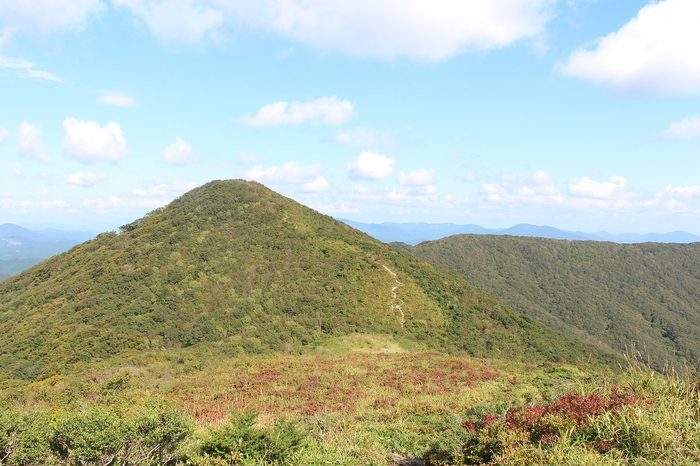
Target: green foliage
610, 295
95, 434
241, 441
650, 420
237, 265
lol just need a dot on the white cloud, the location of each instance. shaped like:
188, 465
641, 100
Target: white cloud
43, 75
615, 188
177, 20
177, 152
27, 69
46, 16
365, 138
656, 52
4, 134
164, 190
101, 205
30, 144
420, 177
388, 29
319, 184
687, 128
363, 193
87, 142
85, 179
159, 190
371, 166
327, 110
119, 99
335, 209
287, 173
676, 200
56, 204
537, 188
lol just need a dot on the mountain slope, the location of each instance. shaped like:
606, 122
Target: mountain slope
610, 294
234, 263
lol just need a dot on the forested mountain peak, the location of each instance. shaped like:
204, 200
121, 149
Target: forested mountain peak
233, 263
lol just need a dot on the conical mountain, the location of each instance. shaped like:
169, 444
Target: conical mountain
236, 263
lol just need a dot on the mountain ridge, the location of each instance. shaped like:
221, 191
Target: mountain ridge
622, 295
417, 232
232, 263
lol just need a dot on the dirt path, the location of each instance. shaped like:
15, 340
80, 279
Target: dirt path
395, 307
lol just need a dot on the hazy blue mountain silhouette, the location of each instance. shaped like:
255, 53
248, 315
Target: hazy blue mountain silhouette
415, 233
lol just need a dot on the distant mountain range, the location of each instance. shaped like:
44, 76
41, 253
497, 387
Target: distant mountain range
415, 233
20, 248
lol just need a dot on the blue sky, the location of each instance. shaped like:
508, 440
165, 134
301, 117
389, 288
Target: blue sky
580, 114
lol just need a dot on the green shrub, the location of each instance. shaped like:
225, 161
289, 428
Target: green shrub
240, 440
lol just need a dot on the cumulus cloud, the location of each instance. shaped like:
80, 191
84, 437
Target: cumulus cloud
687, 128
327, 110
177, 20
30, 144
687, 192
287, 173
420, 177
365, 138
4, 134
46, 16
118, 99
537, 188
675, 199
87, 142
85, 179
656, 52
371, 166
177, 152
615, 188
317, 185
388, 29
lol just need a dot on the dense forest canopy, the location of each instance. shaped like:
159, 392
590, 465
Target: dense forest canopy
612, 295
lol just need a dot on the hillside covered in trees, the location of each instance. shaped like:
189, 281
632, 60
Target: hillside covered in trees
612, 295
235, 264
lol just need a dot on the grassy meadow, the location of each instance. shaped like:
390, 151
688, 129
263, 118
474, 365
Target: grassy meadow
360, 400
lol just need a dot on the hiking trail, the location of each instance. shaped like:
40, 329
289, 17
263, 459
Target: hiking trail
395, 307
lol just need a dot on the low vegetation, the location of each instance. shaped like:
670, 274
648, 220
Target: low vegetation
352, 404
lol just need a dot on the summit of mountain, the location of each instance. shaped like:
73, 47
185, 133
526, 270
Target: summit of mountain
234, 264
